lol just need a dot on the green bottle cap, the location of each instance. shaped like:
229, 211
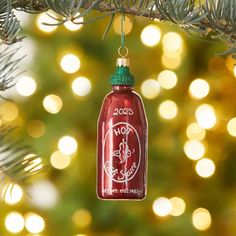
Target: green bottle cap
122, 75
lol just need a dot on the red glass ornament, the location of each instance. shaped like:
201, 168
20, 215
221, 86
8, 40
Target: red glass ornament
122, 143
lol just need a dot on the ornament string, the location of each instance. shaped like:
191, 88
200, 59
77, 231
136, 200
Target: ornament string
123, 50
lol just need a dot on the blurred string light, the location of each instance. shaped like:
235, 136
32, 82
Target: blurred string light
34, 164
43, 194
82, 218
167, 79
231, 127
35, 128
127, 25
12, 194
150, 88
168, 110
67, 145
234, 71
8, 111
70, 63
52, 103
201, 219
45, 18
205, 168
206, 116
171, 62
194, 149
34, 223
172, 42
199, 89
151, 35
178, 206
195, 132
81, 86
26, 86
162, 206
75, 24
14, 222
59, 160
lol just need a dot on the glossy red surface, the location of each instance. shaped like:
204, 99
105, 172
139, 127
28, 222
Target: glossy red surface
122, 146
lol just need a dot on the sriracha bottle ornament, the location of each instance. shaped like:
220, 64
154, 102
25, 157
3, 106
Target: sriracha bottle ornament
122, 140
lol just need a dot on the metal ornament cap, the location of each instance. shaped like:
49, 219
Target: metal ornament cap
122, 75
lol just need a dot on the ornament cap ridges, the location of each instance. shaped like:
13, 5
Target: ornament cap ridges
123, 62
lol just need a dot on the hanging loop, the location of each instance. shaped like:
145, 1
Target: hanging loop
123, 51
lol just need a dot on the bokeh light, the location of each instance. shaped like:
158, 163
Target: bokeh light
162, 206
36, 128
172, 42
45, 18
231, 127
82, 218
59, 160
194, 149
26, 86
150, 88
12, 194
151, 35
205, 167
43, 194
33, 163
81, 86
52, 103
199, 89
201, 219
127, 25
70, 63
167, 79
8, 111
171, 62
34, 223
168, 110
14, 222
195, 132
178, 206
67, 145
205, 115
75, 24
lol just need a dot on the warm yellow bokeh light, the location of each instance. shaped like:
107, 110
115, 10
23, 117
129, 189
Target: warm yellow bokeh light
151, 35
127, 25
70, 63
67, 145
26, 86
235, 71
162, 206
8, 111
168, 110
201, 219
34, 223
231, 127
171, 62
205, 167
82, 218
150, 88
59, 160
199, 89
81, 86
12, 194
14, 222
45, 18
75, 24
52, 103
178, 206
172, 42
205, 115
35, 128
194, 149
167, 79
195, 132
33, 163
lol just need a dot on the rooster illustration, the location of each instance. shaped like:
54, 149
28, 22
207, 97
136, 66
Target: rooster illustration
124, 152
